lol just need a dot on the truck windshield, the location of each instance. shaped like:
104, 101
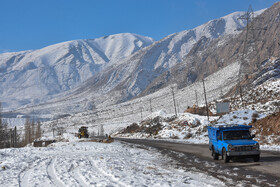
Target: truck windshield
236, 135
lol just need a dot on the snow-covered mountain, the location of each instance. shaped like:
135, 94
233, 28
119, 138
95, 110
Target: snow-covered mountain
130, 76
171, 50
36, 76
125, 76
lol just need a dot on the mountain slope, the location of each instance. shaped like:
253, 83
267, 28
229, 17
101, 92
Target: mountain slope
171, 51
132, 75
129, 76
36, 76
207, 56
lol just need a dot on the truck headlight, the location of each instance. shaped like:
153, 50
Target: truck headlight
256, 146
230, 147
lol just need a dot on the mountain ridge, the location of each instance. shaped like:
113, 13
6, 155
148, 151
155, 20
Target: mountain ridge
128, 77
61, 67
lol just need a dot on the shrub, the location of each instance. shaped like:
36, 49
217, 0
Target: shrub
277, 141
175, 137
255, 114
254, 117
189, 135
204, 129
132, 128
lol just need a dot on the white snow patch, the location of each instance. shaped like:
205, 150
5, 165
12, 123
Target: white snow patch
94, 164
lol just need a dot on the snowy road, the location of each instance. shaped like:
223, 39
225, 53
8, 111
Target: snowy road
95, 164
239, 172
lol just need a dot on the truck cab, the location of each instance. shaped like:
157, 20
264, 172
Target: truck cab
231, 141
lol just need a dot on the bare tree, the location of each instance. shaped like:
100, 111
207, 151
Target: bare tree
38, 130
60, 130
1, 125
27, 131
53, 126
1, 128
4, 134
92, 134
32, 130
101, 130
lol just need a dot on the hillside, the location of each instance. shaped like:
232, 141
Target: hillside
109, 92
34, 77
200, 107
130, 76
147, 65
220, 53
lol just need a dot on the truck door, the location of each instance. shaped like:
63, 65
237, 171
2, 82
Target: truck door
220, 142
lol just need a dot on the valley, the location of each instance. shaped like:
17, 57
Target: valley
146, 106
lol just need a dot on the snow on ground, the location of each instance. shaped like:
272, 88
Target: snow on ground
94, 164
190, 128
270, 147
243, 117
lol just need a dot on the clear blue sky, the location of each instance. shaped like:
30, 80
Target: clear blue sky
33, 24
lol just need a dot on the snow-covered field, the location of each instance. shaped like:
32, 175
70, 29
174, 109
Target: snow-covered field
94, 164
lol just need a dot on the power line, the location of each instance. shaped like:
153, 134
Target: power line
248, 42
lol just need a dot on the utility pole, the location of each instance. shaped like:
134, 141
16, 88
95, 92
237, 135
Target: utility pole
11, 138
240, 93
248, 42
53, 127
206, 105
141, 113
174, 100
221, 93
151, 106
196, 101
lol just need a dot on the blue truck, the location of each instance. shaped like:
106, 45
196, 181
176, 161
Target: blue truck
231, 141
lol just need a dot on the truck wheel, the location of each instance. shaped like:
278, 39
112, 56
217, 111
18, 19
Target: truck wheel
214, 154
256, 158
225, 157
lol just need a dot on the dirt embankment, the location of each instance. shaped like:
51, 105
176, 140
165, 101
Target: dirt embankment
268, 129
198, 110
149, 126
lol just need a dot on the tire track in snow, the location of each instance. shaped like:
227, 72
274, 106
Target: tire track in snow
75, 173
23, 176
108, 176
52, 174
78, 177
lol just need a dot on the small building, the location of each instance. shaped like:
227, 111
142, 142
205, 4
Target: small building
42, 143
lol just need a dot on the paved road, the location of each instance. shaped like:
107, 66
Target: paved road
266, 172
